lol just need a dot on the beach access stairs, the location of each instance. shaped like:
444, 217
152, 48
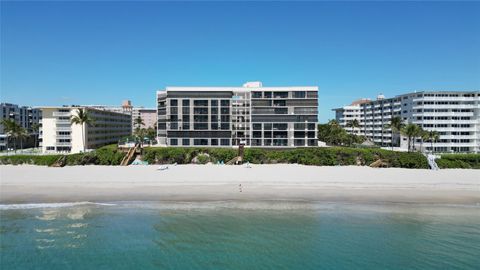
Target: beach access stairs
130, 156
431, 162
239, 158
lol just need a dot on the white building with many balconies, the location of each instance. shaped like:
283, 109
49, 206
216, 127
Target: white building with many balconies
454, 115
58, 134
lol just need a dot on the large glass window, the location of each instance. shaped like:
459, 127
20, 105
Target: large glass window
185, 141
299, 94
214, 102
225, 103
200, 141
256, 94
173, 141
173, 102
186, 102
225, 141
203, 103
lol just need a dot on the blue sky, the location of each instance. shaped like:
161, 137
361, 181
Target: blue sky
55, 53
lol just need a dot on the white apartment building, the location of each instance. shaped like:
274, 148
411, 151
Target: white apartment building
58, 134
251, 115
455, 115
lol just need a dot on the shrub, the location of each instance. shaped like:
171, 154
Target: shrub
464, 161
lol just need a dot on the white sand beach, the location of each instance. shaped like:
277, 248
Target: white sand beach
26, 184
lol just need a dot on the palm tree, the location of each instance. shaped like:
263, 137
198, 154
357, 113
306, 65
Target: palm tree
432, 136
21, 134
11, 129
138, 122
35, 129
423, 134
411, 131
353, 124
395, 126
82, 118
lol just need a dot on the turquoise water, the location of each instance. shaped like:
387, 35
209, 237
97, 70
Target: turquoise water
227, 235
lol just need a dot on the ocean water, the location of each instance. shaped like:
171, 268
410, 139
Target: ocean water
233, 235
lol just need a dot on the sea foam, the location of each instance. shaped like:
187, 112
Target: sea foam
48, 205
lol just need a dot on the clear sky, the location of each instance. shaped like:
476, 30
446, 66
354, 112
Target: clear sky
55, 53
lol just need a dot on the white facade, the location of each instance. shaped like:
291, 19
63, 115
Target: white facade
58, 134
454, 115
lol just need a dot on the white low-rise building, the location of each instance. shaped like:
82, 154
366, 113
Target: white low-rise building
58, 134
454, 115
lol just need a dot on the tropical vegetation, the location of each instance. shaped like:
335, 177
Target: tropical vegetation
333, 134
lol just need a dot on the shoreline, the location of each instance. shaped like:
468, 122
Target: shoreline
203, 183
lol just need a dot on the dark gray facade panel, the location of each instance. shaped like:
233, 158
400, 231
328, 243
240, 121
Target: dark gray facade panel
202, 94
302, 102
284, 118
199, 134
261, 103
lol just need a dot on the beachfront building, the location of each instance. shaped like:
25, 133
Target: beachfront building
58, 134
24, 116
251, 115
148, 115
455, 115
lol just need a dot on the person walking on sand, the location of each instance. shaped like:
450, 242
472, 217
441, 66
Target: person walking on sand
240, 188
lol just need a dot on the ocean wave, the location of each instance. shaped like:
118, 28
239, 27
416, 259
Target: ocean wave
48, 205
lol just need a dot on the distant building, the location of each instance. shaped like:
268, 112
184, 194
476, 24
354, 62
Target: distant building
148, 115
454, 115
23, 115
59, 135
251, 115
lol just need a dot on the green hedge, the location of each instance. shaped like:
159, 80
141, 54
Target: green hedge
463, 161
168, 155
328, 156
107, 155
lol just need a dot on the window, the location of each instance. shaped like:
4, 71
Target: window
257, 126
225, 141
173, 102
225, 103
214, 142
203, 103
200, 141
299, 94
214, 102
173, 141
185, 141
257, 95
186, 102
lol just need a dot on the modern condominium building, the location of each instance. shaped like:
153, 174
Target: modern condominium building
454, 115
58, 134
25, 116
251, 115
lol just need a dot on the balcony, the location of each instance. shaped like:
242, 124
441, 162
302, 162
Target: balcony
61, 114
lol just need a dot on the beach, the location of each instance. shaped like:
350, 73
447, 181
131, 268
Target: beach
38, 184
